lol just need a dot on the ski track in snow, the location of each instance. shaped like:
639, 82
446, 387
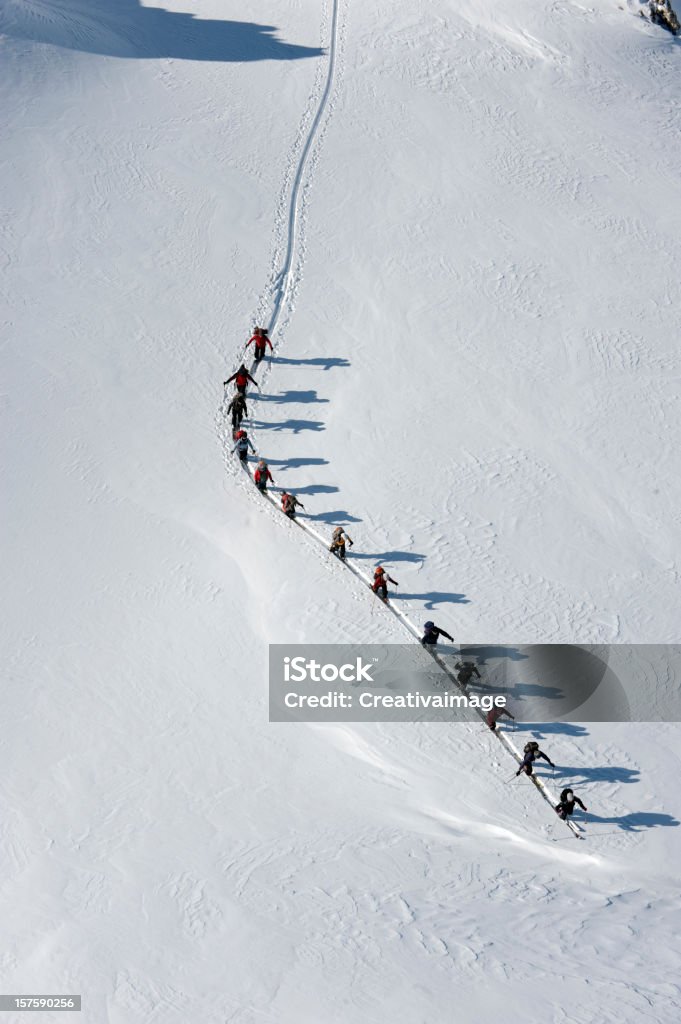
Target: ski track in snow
284, 285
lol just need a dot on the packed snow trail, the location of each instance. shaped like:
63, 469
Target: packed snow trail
284, 279
283, 283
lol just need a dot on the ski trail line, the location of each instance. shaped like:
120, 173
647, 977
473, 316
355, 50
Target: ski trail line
283, 283
284, 277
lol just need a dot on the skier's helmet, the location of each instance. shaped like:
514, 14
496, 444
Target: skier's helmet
379, 570
429, 625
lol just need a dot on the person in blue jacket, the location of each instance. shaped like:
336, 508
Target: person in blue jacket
532, 752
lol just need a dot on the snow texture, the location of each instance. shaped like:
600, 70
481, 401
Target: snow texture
461, 222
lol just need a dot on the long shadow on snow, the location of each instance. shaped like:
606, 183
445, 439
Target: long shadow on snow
125, 28
520, 690
390, 556
297, 426
334, 518
636, 821
316, 489
482, 654
303, 397
297, 463
321, 361
607, 773
434, 597
541, 729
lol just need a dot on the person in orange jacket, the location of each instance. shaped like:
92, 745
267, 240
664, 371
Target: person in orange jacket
381, 581
338, 542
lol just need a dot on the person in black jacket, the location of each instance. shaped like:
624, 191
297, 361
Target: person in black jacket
431, 634
238, 409
567, 804
465, 670
532, 752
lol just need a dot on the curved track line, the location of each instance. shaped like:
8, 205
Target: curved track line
284, 276
284, 280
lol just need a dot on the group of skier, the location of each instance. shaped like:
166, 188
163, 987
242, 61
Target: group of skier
237, 409
566, 805
465, 670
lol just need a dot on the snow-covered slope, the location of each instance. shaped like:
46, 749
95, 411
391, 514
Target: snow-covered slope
476, 370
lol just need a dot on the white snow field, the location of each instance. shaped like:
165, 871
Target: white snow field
476, 208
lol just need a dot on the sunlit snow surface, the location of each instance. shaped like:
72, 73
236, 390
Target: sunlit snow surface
477, 371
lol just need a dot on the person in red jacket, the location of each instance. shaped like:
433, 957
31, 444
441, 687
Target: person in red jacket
241, 379
381, 581
494, 715
262, 475
261, 341
289, 504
